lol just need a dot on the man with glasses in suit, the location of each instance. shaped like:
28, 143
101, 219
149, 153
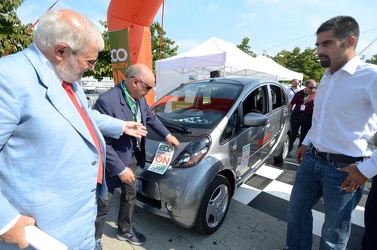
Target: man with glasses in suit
124, 155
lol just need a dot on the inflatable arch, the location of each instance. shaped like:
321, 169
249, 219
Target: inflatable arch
129, 33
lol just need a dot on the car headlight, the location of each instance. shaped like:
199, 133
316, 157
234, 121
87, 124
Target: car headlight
193, 153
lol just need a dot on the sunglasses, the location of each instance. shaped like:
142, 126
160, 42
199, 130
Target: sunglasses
146, 85
311, 87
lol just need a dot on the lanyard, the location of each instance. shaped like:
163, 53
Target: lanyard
305, 97
131, 102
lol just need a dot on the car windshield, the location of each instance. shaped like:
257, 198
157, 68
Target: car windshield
200, 104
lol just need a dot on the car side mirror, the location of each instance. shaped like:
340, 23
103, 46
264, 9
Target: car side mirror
255, 120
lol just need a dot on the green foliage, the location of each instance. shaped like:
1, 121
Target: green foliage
372, 60
245, 47
11, 30
103, 67
161, 50
305, 62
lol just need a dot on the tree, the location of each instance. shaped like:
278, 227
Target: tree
161, 50
245, 47
372, 60
103, 67
305, 62
11, 30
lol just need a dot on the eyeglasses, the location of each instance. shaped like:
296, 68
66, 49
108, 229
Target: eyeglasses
311, 87
146, 85
91, 63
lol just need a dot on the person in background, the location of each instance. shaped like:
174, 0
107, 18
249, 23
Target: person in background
301, 117
334, 156
293, 89
124, 155
51, 147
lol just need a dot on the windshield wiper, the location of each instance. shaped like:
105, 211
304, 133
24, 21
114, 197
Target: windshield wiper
177, 127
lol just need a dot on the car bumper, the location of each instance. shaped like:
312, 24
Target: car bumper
179, 189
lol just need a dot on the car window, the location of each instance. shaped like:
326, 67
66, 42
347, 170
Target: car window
278, 97
200, 104
256, 101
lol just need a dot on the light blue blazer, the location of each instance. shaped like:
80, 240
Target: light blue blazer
48, 160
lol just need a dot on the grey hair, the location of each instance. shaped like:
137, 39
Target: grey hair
54, 28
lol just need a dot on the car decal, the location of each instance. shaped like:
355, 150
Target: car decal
265, 139
197, 119
162, 158
245, 155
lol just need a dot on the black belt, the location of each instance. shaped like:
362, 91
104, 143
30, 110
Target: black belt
336, 157
302, 114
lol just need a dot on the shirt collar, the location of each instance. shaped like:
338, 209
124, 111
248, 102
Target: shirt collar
48, 63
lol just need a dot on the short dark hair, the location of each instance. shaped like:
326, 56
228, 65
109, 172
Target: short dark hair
310, 81
343, 26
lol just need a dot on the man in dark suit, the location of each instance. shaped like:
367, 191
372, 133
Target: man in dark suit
126, 101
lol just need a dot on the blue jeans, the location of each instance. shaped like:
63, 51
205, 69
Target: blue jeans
318, 178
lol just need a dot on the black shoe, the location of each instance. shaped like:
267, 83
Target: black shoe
98, 246
134, 238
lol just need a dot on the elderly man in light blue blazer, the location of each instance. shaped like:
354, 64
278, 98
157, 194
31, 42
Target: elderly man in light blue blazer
48, 159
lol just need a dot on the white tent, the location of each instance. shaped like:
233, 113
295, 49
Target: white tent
215, 54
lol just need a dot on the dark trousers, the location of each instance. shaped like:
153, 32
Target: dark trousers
297, 121
126, 209
369, 241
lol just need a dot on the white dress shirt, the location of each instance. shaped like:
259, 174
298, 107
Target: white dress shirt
291, 92
345, 113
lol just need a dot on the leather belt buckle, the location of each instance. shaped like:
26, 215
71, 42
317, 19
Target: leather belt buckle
322, 155
315, 152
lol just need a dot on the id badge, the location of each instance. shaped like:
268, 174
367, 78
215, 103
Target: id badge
302, 108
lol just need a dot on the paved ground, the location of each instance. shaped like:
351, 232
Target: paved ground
243, 228
255, 220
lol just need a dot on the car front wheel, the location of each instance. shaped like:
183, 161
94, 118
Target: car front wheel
214, 206
284, 151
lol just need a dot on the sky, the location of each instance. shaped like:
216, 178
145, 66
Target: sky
271, 25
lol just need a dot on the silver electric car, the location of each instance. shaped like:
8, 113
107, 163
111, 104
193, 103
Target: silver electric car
227, 128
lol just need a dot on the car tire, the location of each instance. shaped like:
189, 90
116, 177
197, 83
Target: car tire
284, 151
214, 206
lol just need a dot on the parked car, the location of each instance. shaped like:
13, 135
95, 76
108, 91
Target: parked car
228, 128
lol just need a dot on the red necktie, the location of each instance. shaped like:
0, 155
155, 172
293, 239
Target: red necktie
68, 88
